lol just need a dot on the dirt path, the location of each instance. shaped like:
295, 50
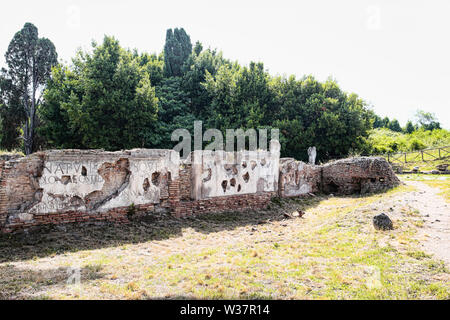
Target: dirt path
435, 234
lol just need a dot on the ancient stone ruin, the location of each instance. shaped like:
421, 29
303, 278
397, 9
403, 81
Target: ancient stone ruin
357, 175
63, 186
298, 178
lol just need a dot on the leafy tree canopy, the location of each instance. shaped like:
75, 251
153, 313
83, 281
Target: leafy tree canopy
104, 101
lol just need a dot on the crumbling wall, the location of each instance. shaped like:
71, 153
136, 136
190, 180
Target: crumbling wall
298, 178
61, 186
253, 201
358, 175
76, 185
19, 187
220, 173
217, 181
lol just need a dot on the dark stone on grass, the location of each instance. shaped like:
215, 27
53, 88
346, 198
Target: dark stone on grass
382, 222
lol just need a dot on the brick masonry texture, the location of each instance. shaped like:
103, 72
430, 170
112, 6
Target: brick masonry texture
66, 186
358, 175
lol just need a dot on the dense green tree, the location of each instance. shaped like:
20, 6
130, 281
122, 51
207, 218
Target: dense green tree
223, 112
254, 96
111, 103
394, 125
177, 50
29, 60
198, 48
241, 97
194, 77
64, 88
409, 128
154, 65
12, 115
315, 114
377, 121
173, 111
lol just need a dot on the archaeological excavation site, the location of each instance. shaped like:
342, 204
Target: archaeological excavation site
66, 186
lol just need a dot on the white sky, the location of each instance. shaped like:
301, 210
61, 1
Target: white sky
394, 54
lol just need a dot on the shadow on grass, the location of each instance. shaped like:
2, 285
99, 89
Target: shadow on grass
22, 283
50, 240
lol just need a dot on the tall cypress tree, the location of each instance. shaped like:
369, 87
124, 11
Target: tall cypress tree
29, 60
177, 50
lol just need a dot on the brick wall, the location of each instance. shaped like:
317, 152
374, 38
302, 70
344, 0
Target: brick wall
358, 175
64, 186
225, 204
22, 191
187, 206
185, 181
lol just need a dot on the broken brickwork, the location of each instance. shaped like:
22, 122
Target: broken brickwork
298, 178
218, 181
77, 185
357, 175
63, 186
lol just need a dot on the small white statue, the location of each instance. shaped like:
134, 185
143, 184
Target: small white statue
312, 153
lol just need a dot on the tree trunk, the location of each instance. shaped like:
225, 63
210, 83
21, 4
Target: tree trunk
29, 134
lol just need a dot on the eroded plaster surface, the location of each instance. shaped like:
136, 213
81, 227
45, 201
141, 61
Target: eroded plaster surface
90, 180
298, 178
220, 173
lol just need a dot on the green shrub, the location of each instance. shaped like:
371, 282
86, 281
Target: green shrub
415, 145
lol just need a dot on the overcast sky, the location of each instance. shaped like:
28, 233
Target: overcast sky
394, 54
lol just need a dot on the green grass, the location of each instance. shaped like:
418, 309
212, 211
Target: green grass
383, 141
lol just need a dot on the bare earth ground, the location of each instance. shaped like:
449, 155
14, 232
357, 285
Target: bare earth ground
332, 252
435, 234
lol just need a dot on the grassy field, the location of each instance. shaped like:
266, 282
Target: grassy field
333, 252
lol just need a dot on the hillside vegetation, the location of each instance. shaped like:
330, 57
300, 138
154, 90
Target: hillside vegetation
383, 140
